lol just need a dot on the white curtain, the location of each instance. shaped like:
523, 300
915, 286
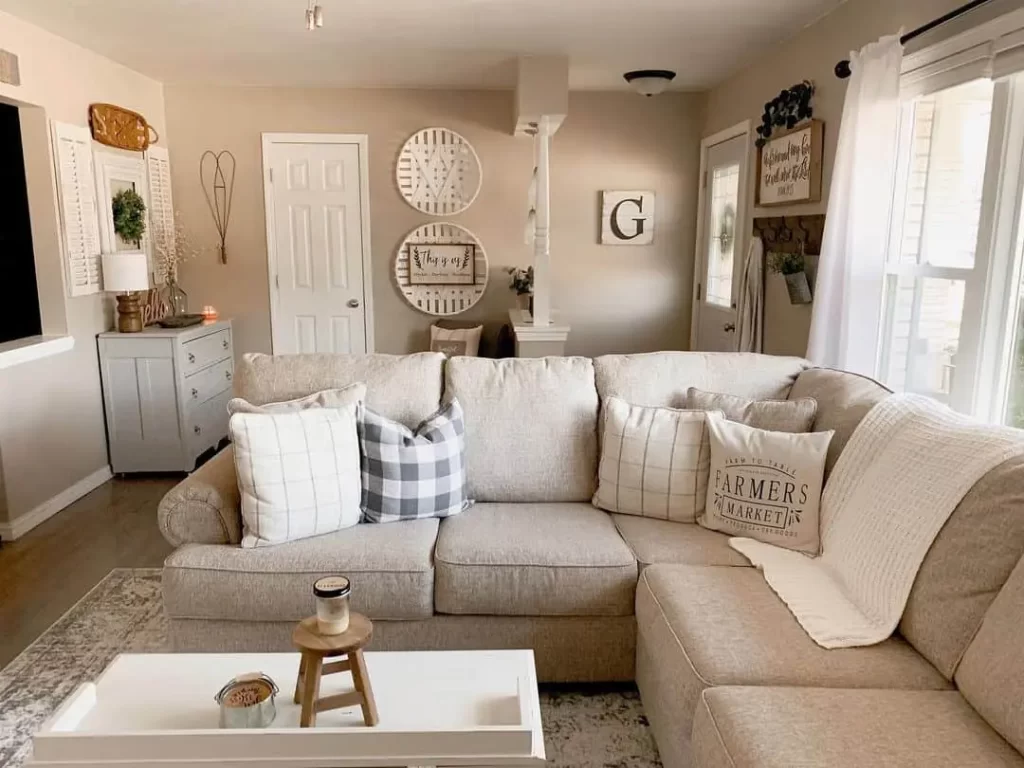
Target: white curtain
847, 308
750, 312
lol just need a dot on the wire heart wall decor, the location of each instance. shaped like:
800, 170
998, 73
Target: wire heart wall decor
217, 177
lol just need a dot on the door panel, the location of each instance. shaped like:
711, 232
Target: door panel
317, 254
719, 262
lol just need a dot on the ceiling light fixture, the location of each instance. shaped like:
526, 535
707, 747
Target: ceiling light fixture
314, 16
649, 82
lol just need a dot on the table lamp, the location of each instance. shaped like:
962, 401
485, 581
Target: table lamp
123, 274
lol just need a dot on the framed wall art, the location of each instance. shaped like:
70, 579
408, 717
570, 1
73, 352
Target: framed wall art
438, 172
441, 269
789, 166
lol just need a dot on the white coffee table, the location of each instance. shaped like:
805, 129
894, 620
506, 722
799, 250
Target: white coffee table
445, 708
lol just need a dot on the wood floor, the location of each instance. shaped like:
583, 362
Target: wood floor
49, 569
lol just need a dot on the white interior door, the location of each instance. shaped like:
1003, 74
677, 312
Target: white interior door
317, 241
719, 260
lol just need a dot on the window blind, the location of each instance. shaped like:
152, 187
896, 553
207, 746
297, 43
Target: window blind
993, 50
161, 205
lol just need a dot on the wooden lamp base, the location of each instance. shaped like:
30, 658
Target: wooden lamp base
129, 313
315, 648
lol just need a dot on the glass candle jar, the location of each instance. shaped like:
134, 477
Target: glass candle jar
332, 604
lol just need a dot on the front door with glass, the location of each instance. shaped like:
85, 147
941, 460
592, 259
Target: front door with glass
718, 259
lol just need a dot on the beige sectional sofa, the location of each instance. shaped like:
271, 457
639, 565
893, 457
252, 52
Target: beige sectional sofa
727, 676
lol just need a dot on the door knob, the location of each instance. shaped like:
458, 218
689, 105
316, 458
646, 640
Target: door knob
354, 303
729, 327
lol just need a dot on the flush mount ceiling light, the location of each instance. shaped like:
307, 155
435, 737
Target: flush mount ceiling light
649, 82
314, 16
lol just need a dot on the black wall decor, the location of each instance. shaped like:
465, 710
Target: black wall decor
786, 110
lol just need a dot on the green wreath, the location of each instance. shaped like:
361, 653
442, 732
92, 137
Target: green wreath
129, 215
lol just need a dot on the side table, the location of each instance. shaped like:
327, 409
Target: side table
316, 647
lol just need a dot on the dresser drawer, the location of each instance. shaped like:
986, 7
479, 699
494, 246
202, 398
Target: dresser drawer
199, 353
208, 423
201, 386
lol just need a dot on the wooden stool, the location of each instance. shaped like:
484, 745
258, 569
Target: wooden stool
315, 648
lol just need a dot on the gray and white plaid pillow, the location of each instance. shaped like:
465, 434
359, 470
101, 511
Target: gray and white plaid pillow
410, 475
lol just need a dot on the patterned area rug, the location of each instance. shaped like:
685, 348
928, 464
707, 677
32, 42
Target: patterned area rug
582, 728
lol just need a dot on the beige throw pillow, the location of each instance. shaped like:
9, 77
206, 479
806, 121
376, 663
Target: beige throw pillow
456, 341
329, 398
765, 485
776, 415
654, 461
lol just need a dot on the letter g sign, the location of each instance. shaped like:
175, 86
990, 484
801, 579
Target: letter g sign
627, 218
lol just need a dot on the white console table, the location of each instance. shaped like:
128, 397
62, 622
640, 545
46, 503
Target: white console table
537, 340
165, 392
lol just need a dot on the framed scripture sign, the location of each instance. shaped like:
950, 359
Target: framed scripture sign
789, 167
442, 263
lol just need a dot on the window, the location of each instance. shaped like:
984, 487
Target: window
19, 313
936, 214
724, 197
953, 308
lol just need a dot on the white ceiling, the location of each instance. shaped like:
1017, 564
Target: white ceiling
423, 43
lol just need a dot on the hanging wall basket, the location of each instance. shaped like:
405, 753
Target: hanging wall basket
441, 269
438, 172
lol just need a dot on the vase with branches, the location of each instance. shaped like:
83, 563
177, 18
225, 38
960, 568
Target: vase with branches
173, 246
793, 267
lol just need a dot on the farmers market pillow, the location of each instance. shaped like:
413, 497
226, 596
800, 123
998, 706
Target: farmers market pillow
765, 485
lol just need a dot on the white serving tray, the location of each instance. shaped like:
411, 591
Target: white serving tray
437, 708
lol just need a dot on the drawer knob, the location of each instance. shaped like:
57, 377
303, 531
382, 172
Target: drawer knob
227, 375
224, 343
191, 357
197, 429
195, 393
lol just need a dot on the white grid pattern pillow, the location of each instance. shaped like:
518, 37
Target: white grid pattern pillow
298, 473
654, 462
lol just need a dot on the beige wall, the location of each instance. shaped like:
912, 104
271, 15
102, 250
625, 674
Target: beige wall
616, 298
810, 55
52, 431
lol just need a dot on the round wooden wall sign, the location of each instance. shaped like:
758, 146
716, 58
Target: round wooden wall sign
441, 269
438, 172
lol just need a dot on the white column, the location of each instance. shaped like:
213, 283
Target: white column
541, 242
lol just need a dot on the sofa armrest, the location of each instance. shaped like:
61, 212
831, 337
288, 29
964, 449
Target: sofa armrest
204, 508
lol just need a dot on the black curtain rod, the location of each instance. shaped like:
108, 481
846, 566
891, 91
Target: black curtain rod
843, 67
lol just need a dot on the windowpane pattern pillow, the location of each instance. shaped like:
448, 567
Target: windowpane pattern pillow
298, 473
775, 415
654, 462
409, 475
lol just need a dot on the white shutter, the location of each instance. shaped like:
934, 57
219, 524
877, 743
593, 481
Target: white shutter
72, 151
161, 206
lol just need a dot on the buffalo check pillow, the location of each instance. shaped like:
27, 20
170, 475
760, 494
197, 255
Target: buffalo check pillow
410, 475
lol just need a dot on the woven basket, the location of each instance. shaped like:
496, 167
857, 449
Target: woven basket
119, 127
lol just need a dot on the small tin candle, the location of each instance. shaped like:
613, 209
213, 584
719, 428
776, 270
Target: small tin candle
332, 604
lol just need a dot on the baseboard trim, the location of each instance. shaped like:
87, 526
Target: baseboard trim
19, 526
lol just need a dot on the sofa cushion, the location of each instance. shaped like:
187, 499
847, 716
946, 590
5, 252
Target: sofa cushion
775, 415
662, 378
531, 427
662, 541
724, 626
844, 399
991, 675
390, 567
966, 566
406, 388
533, 560
740, 727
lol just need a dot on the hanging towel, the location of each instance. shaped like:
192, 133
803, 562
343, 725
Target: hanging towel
750, 313
906, 468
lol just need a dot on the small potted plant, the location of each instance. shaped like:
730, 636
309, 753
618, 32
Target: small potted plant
521, 281
793, 268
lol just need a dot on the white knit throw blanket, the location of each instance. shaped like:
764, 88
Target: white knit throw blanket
899, 478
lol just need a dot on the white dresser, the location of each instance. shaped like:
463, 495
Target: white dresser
165, 393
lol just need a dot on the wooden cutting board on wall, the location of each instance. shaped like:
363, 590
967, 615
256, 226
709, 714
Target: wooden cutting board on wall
122, 128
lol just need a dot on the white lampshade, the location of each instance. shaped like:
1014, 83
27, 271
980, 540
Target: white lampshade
125, 272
